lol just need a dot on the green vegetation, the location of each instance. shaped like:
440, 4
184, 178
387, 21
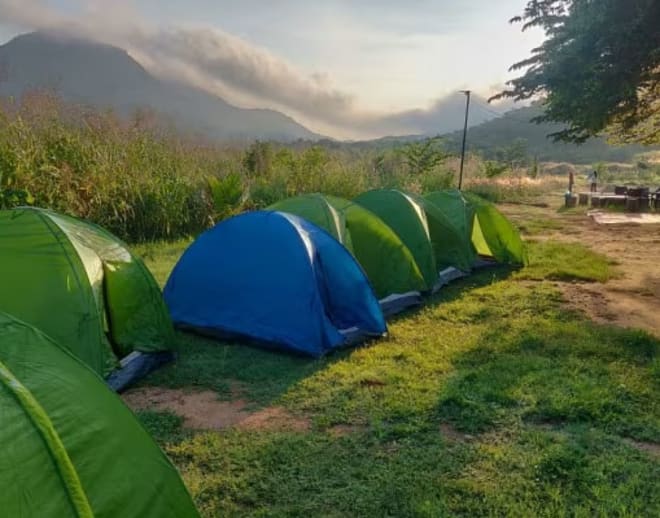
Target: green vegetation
598, 68
514, 189
144, 184
536, 225
514, 137
566, 262
492, 399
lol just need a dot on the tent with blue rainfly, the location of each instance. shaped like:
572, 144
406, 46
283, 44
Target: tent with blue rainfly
275, 279
491, 235
68, 445
386, 260
83, 287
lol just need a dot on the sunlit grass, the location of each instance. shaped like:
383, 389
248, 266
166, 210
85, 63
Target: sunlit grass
566, 262
541, 405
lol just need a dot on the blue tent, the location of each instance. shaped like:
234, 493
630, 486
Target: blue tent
274, 278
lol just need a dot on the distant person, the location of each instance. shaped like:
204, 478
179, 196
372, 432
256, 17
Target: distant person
593, 181
571, 182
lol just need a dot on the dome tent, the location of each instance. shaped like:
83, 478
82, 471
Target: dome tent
495, 236
276, 279
319, 210
456, 211
81, 286
449, 248
407, 218
491, 234
70, 447
386, 260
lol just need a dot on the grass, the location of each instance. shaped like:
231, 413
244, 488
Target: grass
491, 400
566, 262
161, 256
537, 225
144, 183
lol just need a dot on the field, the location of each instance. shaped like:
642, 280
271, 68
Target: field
532, 392
510, 393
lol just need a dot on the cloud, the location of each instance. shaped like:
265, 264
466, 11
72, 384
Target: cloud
211, 59
224, 64
214, 58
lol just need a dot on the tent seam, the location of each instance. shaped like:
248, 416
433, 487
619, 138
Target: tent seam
39, 418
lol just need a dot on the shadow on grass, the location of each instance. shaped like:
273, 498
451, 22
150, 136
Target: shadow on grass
556, 372
235, 369
262, 376
555, 396
455, 290
555, 392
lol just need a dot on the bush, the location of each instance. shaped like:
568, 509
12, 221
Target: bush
143, 183
226, 193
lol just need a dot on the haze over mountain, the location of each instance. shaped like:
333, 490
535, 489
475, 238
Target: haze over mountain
105, 76
80, 70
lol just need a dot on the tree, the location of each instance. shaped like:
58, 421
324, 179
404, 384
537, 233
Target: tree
598, 69
258, 159
515, 154
423, 156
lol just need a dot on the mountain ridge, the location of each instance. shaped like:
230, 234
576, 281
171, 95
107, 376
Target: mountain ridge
101, 75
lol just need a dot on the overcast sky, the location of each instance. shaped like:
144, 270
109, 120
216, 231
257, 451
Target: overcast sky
324, 62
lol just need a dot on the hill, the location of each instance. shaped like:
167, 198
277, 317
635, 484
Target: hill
514, 127
101, 75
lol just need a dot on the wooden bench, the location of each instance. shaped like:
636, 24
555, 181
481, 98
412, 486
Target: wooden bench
613, 200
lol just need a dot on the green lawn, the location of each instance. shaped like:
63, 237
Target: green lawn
491, 400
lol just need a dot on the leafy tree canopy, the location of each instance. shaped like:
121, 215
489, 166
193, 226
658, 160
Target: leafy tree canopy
598, 69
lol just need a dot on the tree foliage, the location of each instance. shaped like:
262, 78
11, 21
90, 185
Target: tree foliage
423, 156
598, 69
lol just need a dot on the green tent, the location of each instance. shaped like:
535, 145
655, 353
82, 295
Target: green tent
491, 233
501, 238
317, 209
407, 218
69, 446
81, 286
450, 248
386, 260
457, 212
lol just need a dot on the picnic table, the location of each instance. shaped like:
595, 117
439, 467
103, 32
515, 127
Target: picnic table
633, 199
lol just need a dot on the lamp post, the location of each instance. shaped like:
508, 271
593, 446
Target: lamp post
467, 110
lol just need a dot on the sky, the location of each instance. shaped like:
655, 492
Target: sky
330, 64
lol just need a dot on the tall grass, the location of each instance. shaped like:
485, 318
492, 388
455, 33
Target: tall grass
126, 176
143, 182
514, 188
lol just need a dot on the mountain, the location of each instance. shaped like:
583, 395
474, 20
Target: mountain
447, 114
105, 76
515, 127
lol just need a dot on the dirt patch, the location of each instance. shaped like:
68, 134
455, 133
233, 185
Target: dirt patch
632, 299
607, 305
450, 433
274, 419
647, 447
204, 411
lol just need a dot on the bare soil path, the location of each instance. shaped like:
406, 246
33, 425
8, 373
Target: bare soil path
630, 300
202, 410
